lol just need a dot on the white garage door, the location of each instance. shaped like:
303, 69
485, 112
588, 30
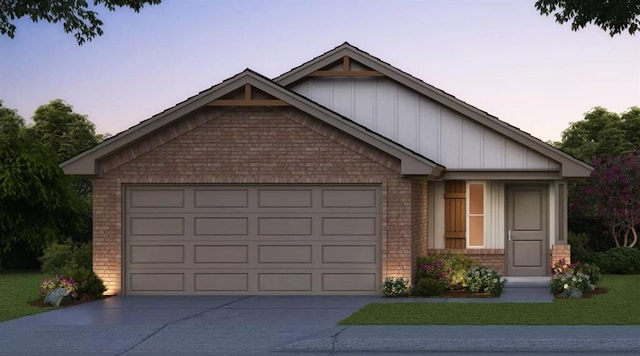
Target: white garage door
237, 239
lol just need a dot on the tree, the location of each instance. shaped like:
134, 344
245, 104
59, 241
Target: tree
602, 133
77, 16
612, 193
63, 131
10, 122
66, 133
613, 16
37, 204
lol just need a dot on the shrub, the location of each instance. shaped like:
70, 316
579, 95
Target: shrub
566, 282
71, 264
459, 265
578, 243
618, 260
590, 270
60, 281
434, 268
568, 277
483, 279
428, 287
58, 258
449, 269
81, 283
623, 260
395, 287
91, 286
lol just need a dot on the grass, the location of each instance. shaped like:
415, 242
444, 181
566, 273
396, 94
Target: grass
17, 290
617, 307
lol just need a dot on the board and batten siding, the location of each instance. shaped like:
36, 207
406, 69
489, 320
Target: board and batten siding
420, 124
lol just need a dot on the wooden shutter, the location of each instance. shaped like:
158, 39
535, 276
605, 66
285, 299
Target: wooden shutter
455, 214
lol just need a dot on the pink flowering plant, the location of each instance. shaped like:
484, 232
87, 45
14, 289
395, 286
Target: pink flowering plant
61, 281
436, 269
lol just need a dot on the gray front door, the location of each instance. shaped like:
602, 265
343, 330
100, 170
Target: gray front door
527, 230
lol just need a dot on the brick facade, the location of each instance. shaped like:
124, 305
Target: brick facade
559, 252
420, 219
258, 146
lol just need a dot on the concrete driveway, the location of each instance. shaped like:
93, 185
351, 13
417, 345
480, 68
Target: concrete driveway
284, 325
178, 325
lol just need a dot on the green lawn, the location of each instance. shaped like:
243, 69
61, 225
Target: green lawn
17, 289
617, 307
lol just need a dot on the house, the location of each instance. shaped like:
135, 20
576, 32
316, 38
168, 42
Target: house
324, 180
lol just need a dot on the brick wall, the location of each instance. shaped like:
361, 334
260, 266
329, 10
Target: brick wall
252, 146
419, 209
559, 252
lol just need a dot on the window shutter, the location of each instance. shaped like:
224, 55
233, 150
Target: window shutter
455, 214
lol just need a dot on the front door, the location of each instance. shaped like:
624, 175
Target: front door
527, 232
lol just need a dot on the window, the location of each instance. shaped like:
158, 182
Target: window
476, 215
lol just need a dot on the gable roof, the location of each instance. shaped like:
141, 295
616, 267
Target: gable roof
571, 167
412, 163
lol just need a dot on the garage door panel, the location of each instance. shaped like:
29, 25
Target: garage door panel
285, 198
349, 226
221, 198
284, 254
284, 226
349, 254
145, 198
217, 226
221, 254
167, 226
156, 254
157, 282
221, 282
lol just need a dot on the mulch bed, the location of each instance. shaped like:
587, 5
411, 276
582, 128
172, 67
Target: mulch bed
596, 291
40, 302
461, 293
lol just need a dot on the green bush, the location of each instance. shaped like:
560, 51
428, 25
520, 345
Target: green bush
90, 285
598, 259
58, 258
566, 281
618, 260
72, 262
590, 270
579, 243
485, 280
428, 287
459, 265
434, 267
449, 269
395, 287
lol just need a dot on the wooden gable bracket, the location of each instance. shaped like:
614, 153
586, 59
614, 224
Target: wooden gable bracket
248, 100
346, 71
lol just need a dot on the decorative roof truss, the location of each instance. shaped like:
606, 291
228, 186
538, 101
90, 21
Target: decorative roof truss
346, 71
250, 96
